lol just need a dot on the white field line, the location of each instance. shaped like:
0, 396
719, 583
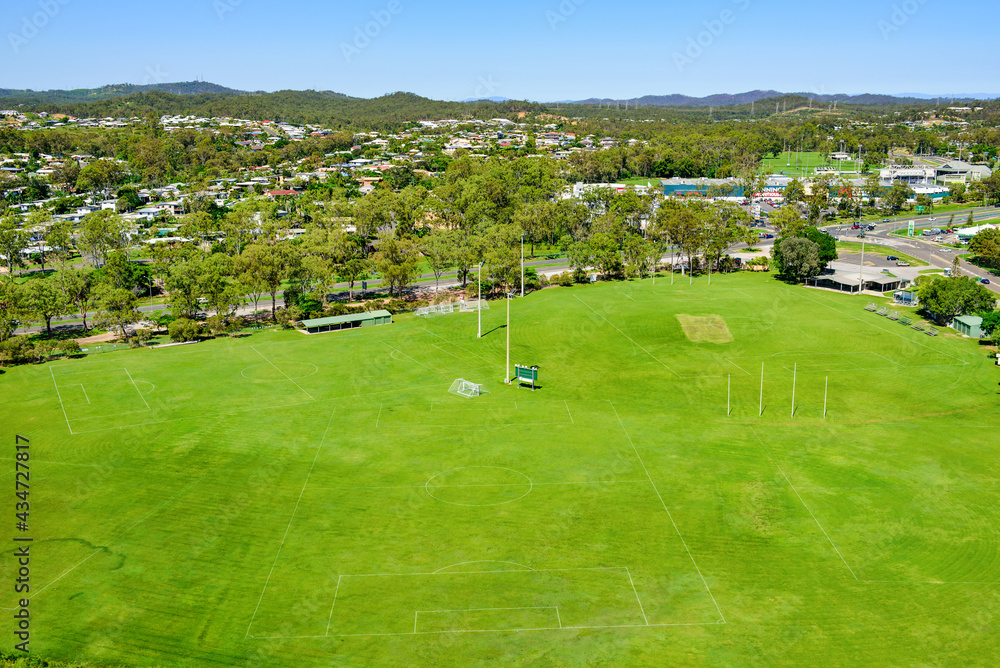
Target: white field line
194, 417
510, 484
416, 613
137, 390
637, 599
105, 546
379, 418
569, 413
329, 620
518, 570
281, 372
488, 561
445, 351
492, 364
290, 520
663, 503
430, 633
80, 373
802, 501
56, 385
872, 324
410, 358
82, 389
629, 338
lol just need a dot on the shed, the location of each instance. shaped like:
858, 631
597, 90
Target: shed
354, 321
969, 325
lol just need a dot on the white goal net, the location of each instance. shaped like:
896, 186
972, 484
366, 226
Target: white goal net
475, 305
467, 389
436, 309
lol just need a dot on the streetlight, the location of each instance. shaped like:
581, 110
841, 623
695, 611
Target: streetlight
479, 294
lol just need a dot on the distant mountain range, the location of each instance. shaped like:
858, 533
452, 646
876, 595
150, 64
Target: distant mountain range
725, 100
193, 88
116, 90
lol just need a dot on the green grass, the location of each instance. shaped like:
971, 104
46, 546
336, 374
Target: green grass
281, 499
854, 247
804, 164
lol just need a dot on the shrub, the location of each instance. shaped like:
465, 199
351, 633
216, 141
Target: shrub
216, 324
183, 330
70, 347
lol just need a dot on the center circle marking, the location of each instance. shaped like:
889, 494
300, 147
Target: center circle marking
429, 485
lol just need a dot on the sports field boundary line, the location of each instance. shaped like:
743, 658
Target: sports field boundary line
658, 360
80, 373
290, 520
518, 570
287, 377
669, 514
859, 580
105, 546
877, 326
804, 505
137, 389
59, 396
509, 484
637, 599
394, 349
193, 417
571, 420
429, 633
460, 346
416, 614
482, 561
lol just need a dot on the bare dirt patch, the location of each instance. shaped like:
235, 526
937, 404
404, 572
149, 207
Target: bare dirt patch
705, 328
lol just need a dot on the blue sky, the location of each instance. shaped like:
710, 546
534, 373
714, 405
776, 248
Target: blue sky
541, 50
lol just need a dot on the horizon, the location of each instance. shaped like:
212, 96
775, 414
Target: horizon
549, 51
922, 96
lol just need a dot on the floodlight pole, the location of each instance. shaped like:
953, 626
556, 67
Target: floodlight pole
507, 368
795, 376
826, 395
861, 271
522, 264
480, 299
761, 414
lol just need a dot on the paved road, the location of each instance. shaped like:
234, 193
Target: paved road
937, 255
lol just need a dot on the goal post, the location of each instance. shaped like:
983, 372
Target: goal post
467, 389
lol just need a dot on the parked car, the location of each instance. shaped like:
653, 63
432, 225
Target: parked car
986, 281
891, 258
901, 263
766, 235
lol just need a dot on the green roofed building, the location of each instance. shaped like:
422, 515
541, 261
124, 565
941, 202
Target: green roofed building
969, 325
335, 324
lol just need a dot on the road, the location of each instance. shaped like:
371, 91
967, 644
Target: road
937, 255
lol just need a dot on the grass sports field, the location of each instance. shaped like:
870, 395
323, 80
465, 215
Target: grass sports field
323, 500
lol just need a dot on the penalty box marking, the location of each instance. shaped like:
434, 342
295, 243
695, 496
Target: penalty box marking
416, 617
89, 403
523, 571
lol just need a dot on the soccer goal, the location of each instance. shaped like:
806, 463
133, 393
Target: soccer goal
475, 305
467, 389
436, 309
